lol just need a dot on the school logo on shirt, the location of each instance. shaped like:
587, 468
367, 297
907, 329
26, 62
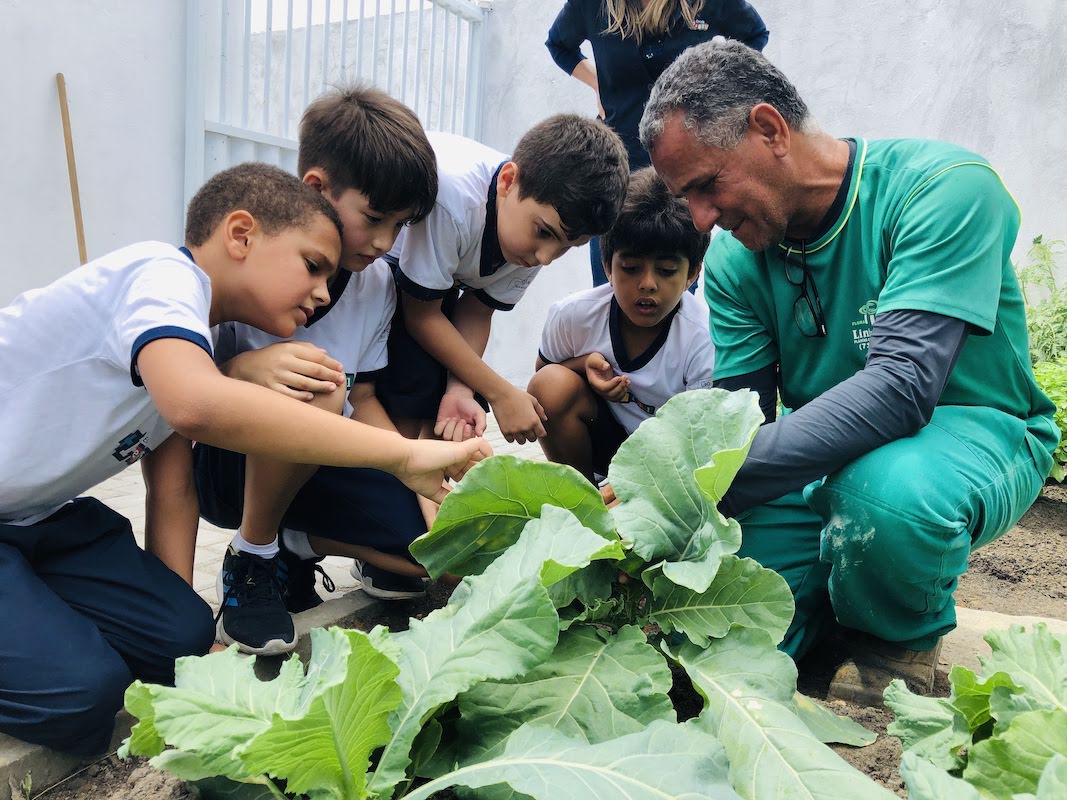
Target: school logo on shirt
861, 328
131, 449
628, 397
519, 284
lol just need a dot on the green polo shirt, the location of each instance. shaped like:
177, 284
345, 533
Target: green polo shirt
925, 226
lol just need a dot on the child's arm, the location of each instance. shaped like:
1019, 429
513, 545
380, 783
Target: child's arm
172, 512
202, 404
367, 408
458, 345
295, 369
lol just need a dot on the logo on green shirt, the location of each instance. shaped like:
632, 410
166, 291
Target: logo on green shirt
861, 328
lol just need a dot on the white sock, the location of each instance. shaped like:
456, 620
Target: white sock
296, 542
242, 545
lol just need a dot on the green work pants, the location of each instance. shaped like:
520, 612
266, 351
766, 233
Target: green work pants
881, 543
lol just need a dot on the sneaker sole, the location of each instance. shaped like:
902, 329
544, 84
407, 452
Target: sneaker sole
387, 594
275, 647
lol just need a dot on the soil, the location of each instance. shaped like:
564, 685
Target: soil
1021, 573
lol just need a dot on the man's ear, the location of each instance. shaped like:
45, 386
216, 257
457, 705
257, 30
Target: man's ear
507, 179
239, 229
766, 123
316, 179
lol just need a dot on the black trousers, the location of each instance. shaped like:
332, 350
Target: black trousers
86, 611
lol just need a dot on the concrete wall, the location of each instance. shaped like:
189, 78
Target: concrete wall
987, 75
124, 62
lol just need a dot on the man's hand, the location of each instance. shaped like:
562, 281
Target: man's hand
520, 417
296, 369
459, 417
429, 462
603, 380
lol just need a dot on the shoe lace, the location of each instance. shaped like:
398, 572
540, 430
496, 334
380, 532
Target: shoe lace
327, 581
253, 581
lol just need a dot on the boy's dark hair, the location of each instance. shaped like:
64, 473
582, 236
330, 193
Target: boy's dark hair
654, 222
579, 167
276, 199
365, 140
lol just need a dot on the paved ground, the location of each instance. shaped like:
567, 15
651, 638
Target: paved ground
125, 493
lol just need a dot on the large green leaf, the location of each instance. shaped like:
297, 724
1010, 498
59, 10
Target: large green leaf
930, 727
497, 625
1036, 661
971, 694
665, 760
596, 686
1053, 782
1012, 762
668, 515
488, 509
749, 686
215, 707
327, 749
743, 593
928, 782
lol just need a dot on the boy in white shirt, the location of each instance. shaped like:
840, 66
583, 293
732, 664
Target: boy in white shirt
369, 157
496, 222
610, 356
130, 334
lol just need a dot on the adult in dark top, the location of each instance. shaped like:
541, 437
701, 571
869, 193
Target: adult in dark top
633, 42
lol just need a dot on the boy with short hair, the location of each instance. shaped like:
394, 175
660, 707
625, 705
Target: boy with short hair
131, 332
496, 222
610, 356
369, 157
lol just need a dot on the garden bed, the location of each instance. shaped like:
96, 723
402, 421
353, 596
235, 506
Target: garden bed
1021, 574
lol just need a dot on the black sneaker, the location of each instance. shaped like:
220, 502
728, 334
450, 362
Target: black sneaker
252, 612
383, 585
298, 580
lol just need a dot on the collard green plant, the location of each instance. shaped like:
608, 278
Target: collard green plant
1052, 378
543, 676
1002, 733
1046, 300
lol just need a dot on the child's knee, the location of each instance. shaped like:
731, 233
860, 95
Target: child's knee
334, 401
558, 388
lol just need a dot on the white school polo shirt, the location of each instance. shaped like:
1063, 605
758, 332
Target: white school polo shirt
680, 359
456, 245
353, 328
73, 410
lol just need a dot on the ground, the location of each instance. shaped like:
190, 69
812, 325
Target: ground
1021, 573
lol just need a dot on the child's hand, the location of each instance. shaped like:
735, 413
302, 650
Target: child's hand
603, 380
430, 462
459, 417
295, 369
520, 416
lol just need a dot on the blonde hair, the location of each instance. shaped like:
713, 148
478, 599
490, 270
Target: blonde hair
629, 19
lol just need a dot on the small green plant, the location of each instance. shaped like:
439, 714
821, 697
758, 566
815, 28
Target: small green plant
1046, 316
1052, 378
542, 677
1002, 733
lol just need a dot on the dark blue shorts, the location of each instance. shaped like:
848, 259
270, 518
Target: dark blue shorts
606, 436
356, 506
86, 611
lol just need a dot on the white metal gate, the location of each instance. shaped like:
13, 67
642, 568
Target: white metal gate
254, 65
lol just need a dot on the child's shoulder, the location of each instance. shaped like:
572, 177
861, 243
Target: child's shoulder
584, 304
465, 169
693, 313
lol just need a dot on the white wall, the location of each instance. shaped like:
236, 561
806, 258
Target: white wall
124, 66
987, 75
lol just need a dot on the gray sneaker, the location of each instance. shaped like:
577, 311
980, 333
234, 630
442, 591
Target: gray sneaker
873, 663
384, 585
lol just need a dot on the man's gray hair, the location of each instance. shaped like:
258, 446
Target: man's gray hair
714, 86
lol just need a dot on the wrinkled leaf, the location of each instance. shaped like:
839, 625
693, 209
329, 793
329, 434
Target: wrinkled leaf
594, 687
1053, 782
663, 761
971, 695
1036, 661
930, 727
497, 625
743, 593
1012, 762
488, 509
749, 687
663, 509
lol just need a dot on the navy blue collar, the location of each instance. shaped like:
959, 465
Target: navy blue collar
492, 258
618, 344
185, 251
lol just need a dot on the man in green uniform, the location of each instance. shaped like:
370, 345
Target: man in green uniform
870, 283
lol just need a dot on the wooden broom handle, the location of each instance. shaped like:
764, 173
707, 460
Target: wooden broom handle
72, 170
